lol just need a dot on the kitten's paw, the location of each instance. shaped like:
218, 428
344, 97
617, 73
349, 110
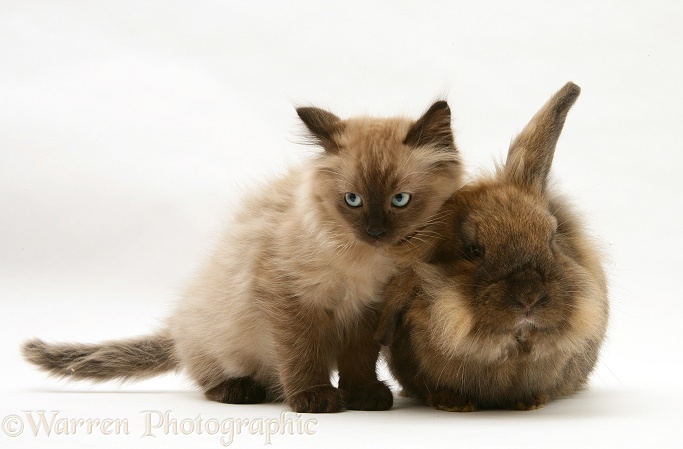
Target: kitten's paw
318, 399
450, 401
375, 396
535, 402
238, 390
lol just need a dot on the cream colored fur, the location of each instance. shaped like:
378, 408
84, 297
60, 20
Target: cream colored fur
295, 280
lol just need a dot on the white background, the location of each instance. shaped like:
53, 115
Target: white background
128, 128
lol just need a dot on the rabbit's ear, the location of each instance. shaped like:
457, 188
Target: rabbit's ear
531, 152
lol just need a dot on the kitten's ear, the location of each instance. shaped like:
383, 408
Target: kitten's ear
433, 128
531, 152
323, 126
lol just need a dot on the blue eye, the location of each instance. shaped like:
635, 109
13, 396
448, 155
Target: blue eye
400, 199
353, 200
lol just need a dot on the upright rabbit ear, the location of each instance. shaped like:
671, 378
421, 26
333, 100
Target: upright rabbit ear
531, 152
323, 126
433, 128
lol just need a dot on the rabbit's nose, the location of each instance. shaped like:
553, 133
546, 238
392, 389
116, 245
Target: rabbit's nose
531, 300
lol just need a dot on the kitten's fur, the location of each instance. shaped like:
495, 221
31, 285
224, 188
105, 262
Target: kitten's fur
293, 288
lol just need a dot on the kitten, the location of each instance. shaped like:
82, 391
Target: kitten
293, 288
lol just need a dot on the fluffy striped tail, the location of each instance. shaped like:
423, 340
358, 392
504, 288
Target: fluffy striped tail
132, 359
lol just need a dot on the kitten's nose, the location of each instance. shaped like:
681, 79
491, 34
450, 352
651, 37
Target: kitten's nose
376, 233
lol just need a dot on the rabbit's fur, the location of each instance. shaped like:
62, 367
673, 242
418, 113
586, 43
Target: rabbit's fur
511, 308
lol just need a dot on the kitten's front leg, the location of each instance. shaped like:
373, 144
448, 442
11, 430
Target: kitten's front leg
358, 368
306, 355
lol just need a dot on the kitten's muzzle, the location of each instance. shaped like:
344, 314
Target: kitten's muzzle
375, 232
376, 220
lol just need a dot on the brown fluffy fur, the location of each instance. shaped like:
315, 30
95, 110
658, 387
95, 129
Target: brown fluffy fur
511, 308
294, 286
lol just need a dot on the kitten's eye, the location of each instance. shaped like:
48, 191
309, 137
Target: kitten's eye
473, 252
353, 200
400, 199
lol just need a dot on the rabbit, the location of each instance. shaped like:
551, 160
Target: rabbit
510, 308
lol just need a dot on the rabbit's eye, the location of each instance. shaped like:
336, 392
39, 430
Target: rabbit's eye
473, 252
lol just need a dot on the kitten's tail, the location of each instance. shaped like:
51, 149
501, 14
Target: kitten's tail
132, 359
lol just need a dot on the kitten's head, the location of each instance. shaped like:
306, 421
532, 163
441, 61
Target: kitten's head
383, 180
